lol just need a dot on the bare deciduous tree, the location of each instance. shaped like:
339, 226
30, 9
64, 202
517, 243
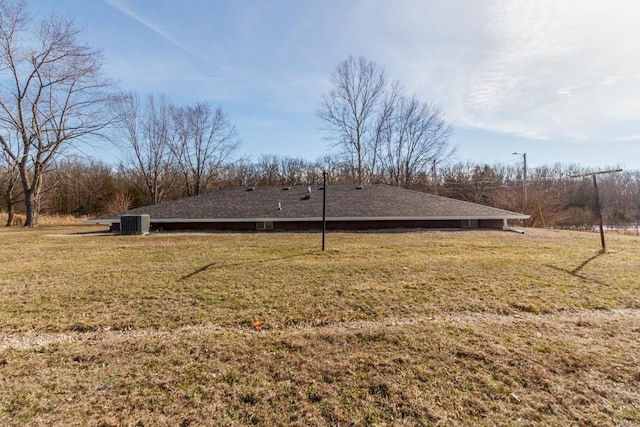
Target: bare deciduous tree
268, 169
204, 141
121, 202
293, 171
384, 135
383, 131
52, 93
79, 187
417, 135
242, 173
351, 108
149, 161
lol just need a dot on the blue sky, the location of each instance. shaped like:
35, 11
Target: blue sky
557, 79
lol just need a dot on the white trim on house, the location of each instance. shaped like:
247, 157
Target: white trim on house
316, 219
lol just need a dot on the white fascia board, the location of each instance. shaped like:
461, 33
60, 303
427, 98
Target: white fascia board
316, 219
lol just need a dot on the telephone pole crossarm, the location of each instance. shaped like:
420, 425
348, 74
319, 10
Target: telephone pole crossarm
596, 173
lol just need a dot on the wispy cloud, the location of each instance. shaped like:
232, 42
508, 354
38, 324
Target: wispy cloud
553, 71
125, 7
547, 69
186, 78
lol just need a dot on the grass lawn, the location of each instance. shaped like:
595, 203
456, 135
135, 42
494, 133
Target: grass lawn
424, 328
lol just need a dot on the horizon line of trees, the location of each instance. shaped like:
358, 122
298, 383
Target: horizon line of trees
87, 187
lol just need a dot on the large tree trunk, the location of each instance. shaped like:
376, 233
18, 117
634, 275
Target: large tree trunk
31, 208
31, 190
9, 216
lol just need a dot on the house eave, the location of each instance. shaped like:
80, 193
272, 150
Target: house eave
316, 219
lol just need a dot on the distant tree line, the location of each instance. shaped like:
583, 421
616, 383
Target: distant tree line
83, 187
555, 197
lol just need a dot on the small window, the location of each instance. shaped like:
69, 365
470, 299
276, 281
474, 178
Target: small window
264, 225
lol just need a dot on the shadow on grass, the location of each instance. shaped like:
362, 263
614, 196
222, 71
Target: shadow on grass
575, 272
214, 266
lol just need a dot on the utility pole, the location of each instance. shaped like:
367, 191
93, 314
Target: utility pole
524, 184
324, 206
598, 208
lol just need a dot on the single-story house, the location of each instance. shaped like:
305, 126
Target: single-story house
300, 208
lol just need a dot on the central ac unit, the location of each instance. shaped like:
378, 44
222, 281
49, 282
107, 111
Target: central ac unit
134, 224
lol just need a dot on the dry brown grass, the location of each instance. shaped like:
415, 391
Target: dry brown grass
60, 220
430, 328
19, 219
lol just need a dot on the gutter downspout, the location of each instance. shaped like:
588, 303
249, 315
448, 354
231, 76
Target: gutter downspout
506, 227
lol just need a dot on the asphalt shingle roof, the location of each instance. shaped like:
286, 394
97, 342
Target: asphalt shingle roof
374, 202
